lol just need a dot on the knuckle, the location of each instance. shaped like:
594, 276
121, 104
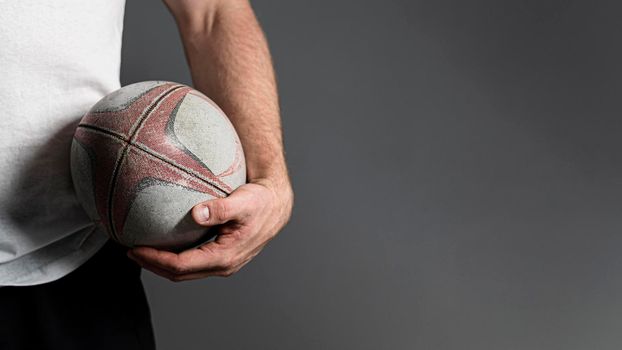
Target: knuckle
220, 266
225, 263
226, 273
228, 229
236, 234
231, 262
179, 268
175, 278
221, 210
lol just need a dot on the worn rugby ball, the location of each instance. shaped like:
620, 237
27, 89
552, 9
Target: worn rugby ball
145, 154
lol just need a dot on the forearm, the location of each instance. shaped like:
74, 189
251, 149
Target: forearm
230, 62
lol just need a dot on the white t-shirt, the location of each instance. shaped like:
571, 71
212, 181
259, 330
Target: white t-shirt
57, 58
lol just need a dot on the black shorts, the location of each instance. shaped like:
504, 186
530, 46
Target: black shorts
101, 305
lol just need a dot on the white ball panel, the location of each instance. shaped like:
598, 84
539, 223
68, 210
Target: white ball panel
160, 216
124, 96
205, 132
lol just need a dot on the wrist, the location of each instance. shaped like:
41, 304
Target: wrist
279, 184
267, 170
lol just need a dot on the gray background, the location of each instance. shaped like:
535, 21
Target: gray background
458, 178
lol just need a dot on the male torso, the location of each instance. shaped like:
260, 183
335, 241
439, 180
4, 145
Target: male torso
57, 58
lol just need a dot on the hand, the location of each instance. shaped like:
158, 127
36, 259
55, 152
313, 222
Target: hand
245, 221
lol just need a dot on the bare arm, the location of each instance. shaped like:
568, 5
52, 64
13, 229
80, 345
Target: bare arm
229, 61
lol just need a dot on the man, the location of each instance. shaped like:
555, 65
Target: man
65, 285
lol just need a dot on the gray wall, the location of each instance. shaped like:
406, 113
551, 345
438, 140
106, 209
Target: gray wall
458, 175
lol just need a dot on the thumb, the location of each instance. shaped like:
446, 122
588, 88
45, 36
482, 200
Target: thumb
221, 210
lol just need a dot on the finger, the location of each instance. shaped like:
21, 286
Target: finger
199, 275
221, 210
156, 270
174, 277
207, 257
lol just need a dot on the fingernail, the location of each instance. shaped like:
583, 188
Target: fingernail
205, 214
